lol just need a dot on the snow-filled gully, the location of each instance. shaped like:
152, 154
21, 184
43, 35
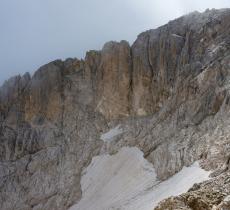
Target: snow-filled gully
127, 181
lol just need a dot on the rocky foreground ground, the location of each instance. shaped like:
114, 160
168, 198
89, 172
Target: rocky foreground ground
169, 92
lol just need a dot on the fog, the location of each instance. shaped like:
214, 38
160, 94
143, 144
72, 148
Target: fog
36, 32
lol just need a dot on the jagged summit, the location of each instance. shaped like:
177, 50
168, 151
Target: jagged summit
193, 18
168, 94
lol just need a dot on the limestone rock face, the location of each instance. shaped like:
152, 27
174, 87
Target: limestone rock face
45, 92
167, 59
168, 92
114, 80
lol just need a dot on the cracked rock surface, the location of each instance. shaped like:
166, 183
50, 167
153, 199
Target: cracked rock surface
169, 93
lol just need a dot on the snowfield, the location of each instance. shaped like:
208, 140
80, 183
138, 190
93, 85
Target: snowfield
106, 137
127, 181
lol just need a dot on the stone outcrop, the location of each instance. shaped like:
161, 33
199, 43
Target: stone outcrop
210, 195
169, 92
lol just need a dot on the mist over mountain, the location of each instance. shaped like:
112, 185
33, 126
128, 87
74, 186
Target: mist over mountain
37, 32
142, 126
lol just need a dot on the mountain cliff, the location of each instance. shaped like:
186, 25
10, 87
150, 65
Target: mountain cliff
169, 94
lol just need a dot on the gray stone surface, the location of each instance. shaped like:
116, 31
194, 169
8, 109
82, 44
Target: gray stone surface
169, 92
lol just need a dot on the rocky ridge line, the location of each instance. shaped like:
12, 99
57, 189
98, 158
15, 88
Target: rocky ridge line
169, 92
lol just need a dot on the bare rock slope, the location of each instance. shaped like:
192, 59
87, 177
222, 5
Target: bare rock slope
169, 92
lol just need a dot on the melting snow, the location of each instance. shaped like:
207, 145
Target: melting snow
175, 185
111, 134
127, 181
178, 36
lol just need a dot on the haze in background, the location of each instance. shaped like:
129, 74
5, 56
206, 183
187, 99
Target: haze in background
36, 32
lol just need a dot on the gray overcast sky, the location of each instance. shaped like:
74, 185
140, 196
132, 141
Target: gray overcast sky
34, 32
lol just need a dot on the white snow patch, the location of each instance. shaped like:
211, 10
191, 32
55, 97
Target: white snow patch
127, 181
111, 133
214, 49
175, 185
178, 36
